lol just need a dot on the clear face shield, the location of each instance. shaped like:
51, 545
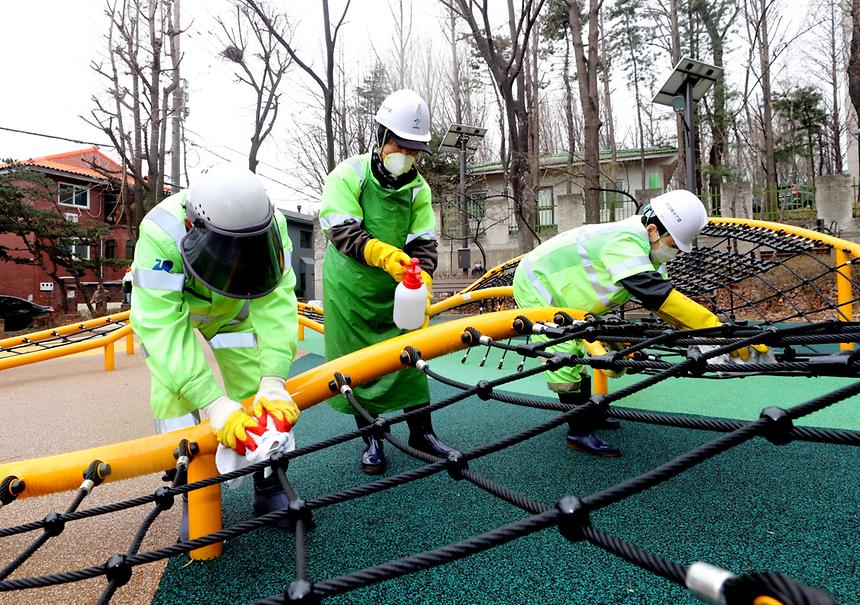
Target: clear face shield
237, 264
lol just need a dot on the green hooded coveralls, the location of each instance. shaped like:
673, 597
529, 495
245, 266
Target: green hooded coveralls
582, 269
249, 338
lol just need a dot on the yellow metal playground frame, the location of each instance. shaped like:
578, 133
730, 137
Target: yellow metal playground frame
154, 454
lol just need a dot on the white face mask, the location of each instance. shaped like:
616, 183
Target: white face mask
398, 163
663, 254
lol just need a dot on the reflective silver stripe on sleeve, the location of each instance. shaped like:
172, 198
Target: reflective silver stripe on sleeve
604, 293
144, 351
165, 425
199, 317
333, 220
356, 165
636, 261
536, 282
168, 223
158, 280
234, 340
415, 192
429, 234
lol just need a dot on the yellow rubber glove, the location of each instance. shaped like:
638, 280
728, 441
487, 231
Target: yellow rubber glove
744, 352
232, 424
273, 401
687, 314
389, 258
428, 281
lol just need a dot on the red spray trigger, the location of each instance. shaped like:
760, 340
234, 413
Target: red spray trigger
412, 279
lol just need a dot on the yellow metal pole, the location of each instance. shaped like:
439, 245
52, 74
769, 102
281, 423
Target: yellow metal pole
60, 351
601, 383
844, 291
129, 344
204, 507
109, 357
301, 331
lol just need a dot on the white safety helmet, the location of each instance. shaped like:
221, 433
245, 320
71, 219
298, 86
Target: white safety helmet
234, 245
683, 215
406, 116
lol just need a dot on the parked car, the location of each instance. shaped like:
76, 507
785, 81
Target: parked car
18, 314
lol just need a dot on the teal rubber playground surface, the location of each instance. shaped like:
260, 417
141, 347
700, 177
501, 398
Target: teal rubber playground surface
792, 509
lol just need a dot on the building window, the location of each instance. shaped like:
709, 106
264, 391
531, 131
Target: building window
110, 249
79, 251
305, 239
545, 208
655, 180
112, 208
615, 205
129, 249
475, 209
74, 195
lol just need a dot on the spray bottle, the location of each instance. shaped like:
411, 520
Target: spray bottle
410, 299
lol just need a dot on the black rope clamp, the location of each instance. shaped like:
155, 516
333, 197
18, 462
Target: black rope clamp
484, 390
380, 427
10, 488
838, 364
279, 460
558, 360
95, 474
340, 380
301, 592
779, 426
523, 324
573, 518
54, 525
299, 511
456, 464
118, 570
184, 453
163, 498
410, 356
748, 590
562, 319
472, 337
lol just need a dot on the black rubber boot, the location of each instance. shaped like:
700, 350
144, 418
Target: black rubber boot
421, 434
580, 433
373, 456
269, 496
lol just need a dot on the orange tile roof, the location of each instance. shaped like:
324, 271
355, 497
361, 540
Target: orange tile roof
77, 162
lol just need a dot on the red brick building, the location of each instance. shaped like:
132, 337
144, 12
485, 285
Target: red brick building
83, 194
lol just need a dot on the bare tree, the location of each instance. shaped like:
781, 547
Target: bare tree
325, 82
827, 52
504, 59
587, 65
141, 56
717, 18
261, 68
854, 57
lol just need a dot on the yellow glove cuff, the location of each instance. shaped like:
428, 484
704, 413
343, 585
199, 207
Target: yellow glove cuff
686, 314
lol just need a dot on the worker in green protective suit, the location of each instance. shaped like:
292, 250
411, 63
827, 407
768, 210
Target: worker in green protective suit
595, 268
215, 258
376, 215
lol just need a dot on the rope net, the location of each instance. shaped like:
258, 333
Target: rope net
734, 270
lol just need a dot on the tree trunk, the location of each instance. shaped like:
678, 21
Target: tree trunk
586, 68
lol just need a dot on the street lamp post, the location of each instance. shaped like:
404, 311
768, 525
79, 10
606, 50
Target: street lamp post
461, 139
684, 87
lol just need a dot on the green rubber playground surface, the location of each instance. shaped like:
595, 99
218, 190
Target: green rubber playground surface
791, 510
